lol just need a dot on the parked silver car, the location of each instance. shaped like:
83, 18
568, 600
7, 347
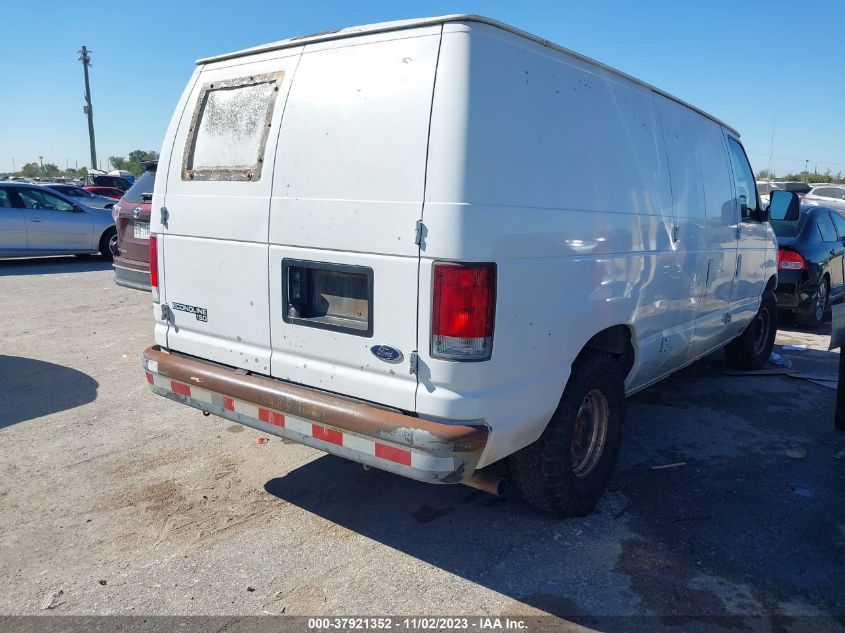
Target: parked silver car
80, 196
35, 220
832, 196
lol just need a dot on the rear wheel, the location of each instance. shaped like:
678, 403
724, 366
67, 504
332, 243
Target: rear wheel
567, 469
751, 349
820, 304
107, 241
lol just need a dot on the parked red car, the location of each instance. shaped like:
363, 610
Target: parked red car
132, 219
108, 192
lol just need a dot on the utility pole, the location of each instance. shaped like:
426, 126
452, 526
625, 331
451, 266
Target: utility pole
85, 58
807, 170
14, 169
41, 158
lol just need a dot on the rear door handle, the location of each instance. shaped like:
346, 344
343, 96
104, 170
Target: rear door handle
34, 220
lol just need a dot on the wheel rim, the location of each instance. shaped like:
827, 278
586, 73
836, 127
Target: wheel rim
761, 330
821, 301
112, 243
589, 434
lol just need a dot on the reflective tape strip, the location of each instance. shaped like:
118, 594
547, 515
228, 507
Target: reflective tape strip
294, 425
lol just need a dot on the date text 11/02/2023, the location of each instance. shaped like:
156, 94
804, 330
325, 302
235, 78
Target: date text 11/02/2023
417, 623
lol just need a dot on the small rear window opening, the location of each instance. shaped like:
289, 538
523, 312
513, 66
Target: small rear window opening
229, 128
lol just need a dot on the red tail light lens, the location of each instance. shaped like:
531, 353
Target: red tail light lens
154, 265
790, 260
463, 311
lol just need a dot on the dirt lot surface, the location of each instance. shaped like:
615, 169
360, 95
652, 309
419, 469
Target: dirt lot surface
128, 503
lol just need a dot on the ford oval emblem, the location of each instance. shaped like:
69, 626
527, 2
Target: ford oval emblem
386, 353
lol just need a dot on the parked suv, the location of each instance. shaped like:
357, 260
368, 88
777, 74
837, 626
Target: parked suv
132, 219
398, 244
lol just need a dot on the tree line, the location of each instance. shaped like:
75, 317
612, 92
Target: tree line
133, 163
803, 176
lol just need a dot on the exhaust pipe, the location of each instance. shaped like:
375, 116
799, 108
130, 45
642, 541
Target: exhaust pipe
487, 481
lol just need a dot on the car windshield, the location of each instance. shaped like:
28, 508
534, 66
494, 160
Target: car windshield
144, 184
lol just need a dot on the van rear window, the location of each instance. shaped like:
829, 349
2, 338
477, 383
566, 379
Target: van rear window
229, 129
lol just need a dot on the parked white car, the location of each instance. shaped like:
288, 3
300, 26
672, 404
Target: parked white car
396, 243
832, 196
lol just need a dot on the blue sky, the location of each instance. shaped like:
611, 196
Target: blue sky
746, 62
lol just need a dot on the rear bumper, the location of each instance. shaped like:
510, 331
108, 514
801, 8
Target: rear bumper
137, 277
796, 291
383, 438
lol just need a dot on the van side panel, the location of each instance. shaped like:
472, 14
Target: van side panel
348, 190
707, 220
555, 170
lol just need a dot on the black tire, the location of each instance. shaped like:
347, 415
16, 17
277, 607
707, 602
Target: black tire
820, 307
105, 244
751, 349
550, 473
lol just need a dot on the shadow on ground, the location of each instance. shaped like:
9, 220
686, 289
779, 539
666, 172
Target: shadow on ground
32, 388
733, 526
52, 265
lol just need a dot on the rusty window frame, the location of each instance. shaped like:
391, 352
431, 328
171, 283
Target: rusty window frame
247, 173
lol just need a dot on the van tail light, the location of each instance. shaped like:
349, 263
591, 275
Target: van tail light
790, 260
463, 311
154, 266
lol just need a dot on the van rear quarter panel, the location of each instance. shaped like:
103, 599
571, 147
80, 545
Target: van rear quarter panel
555, 170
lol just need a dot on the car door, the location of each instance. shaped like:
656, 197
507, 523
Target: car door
839, 245
12, 226
832, 241
705, 243
53, 223
754, 257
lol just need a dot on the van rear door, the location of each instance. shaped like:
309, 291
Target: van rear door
348, 191
213, 234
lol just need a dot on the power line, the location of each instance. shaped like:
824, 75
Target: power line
798, 160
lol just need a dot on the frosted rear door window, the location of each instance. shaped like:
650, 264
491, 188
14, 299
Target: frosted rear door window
229, 129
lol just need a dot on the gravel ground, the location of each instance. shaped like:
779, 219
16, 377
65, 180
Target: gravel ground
128, 503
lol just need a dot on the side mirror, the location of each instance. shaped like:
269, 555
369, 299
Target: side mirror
785, 206
78, 209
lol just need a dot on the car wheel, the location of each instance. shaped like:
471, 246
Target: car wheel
751, 349
820, 304
567, 469
108, 240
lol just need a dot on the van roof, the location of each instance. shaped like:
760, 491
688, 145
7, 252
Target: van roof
397, 25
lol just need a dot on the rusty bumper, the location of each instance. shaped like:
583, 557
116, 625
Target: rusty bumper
376, 436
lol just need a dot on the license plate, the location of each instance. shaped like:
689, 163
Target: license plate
142, 230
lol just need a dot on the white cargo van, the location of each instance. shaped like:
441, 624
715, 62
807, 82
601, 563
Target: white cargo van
431, 245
